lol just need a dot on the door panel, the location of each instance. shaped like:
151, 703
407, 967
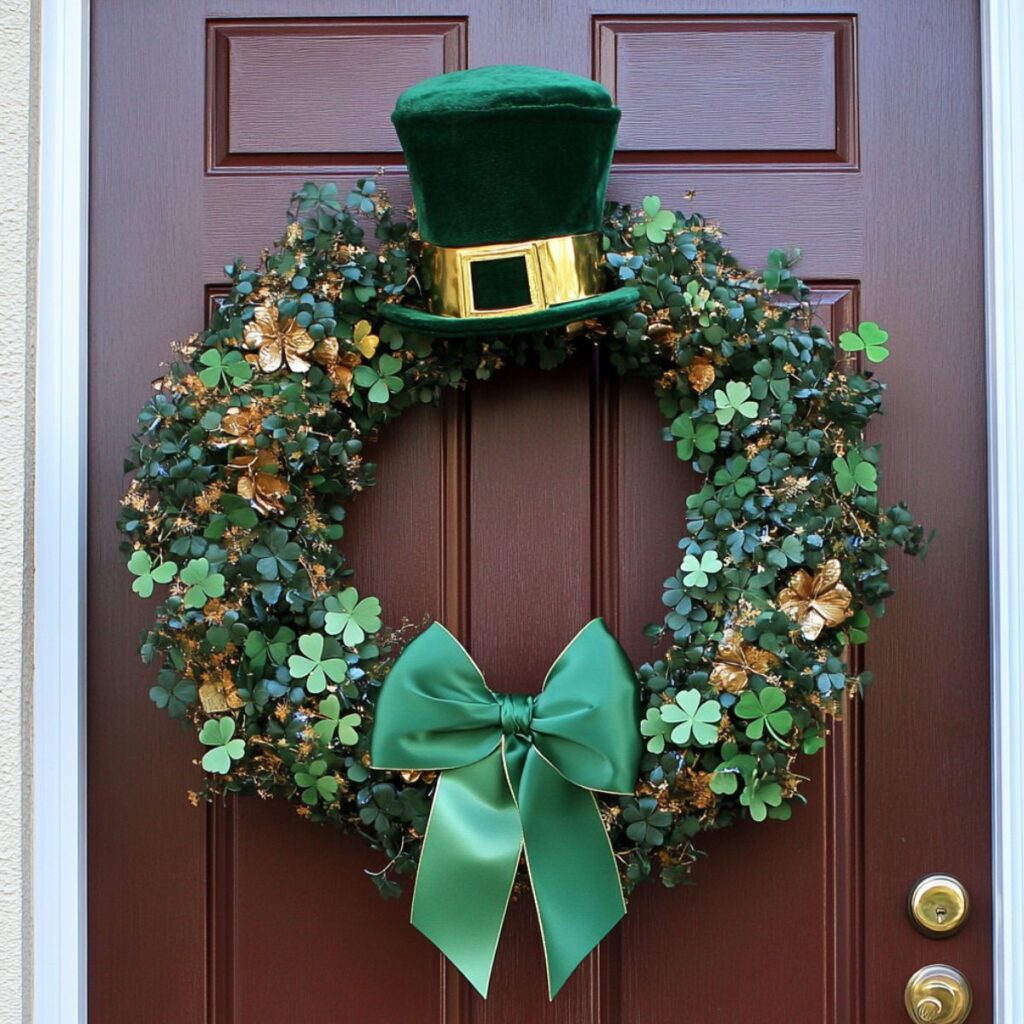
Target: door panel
520, 509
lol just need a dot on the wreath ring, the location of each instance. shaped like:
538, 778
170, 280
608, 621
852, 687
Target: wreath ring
245, 456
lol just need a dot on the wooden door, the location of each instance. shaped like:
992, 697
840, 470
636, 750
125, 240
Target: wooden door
848, 127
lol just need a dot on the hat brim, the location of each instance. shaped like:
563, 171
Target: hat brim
419, 321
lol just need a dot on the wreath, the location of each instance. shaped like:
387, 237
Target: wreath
252, 446
257, 439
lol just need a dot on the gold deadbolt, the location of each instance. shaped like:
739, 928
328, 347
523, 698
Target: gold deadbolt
938, 994
939, 906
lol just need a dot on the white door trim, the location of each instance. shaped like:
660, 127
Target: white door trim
1003, 44
58, 744
59, 764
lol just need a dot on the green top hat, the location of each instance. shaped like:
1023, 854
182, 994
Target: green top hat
508, 167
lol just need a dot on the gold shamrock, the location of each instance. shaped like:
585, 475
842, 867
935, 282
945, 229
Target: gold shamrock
736, 660
363, 340
818, 601
700, 373
240, 427
259, 482
277, 341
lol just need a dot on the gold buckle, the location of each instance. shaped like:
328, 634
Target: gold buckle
558, 270
487, 253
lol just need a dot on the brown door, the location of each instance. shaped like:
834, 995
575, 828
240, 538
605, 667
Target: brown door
516, 512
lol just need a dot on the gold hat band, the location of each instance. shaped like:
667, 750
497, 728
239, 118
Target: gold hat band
532, 276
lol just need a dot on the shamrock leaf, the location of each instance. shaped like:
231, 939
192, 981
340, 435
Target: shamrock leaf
760, 795
853, 471
172, 692
693, 436
645, 824
353, 618
736, 766
259, 648
314, 782
335, 723
148, 574
364, 340
658, 223
230, 368
381, 381
312, 666
869, 339
734, 399
697, 720
699, 570
765, 710
657, 728
202, 583
277, 555
217, 734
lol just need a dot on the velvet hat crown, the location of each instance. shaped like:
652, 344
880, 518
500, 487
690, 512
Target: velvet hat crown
508, 167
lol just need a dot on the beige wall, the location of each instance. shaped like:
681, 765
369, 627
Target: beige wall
17, 230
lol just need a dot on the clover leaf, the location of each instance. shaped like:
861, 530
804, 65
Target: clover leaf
853, 471
382, 381
869, 338
698, 570
336, 724
645, 823
693, 436
202, 582
141, 565
736, 766
172, 693
658, 223
315, 783
759, 795
277, 555
350, 617
697, 719
312, 666
230, 368
259, 648
734, 399
656, 728
765, 710
218, 733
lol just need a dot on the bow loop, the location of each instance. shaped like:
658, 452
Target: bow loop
516, 771
579, 718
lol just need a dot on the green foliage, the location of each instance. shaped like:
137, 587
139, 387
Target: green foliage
243, 476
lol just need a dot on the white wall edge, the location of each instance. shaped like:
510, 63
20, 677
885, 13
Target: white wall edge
58, 784
1003, 44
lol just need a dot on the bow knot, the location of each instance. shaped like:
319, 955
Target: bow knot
517, 772
516, 713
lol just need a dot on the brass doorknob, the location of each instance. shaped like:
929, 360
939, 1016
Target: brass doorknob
938, 994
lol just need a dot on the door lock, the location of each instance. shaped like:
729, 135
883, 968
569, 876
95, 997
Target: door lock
938, 994
939, 906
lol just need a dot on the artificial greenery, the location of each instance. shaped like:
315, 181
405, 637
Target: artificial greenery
247, 456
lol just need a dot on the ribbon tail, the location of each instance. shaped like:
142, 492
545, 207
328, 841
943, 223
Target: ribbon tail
467, 866
572, 868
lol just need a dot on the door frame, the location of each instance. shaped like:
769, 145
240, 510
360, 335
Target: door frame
59, 969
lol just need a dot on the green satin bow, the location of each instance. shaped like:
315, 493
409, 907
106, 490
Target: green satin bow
517, 771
